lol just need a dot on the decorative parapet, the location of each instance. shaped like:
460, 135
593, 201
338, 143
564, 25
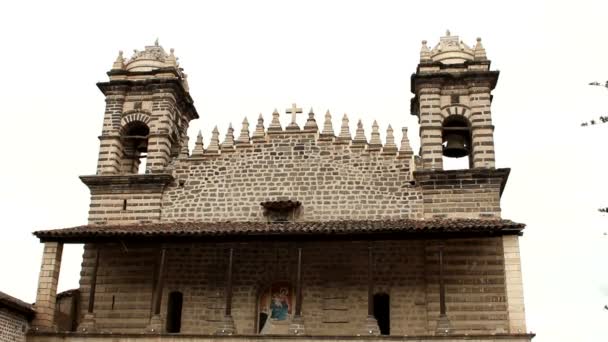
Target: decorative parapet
262, 136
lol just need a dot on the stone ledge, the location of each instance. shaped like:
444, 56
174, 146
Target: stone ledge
104, 184
38, 336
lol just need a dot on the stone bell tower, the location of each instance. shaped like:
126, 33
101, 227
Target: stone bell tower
148, 110
452, 87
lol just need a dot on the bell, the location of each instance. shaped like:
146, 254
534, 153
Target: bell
456, 146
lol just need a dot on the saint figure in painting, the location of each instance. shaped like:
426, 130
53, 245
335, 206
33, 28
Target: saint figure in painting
279, 307
275, 309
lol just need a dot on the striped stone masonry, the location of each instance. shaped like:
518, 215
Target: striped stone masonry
514, 284
47, 286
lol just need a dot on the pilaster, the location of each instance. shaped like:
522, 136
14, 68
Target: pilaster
430, 129
47, 286
482, 129
514, 284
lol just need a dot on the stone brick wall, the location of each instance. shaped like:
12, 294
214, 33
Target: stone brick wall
12, 326
334, 284
333, 182
474, 278
111, 208
461, 193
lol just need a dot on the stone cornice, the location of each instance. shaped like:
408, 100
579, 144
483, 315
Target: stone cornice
441, 77
174, 83
104, 184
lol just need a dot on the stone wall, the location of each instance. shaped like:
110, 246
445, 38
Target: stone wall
12, 326
332, 180
334, 284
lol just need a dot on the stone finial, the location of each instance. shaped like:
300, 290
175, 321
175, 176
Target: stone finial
185, 82
328, 129
171, 60
311, 123
479, 51
275, 124
214, 144
405, 150
258, 134
119, 63
360, 139
244, 136
389, 147
199, 150
344, 129
425, 52
375, 143
228, 144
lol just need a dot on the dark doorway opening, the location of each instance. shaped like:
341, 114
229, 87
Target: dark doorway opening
261, 321
174, 312
382, 312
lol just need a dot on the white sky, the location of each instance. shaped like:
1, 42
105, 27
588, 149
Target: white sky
248, 57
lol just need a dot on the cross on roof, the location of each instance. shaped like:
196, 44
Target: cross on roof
293, 111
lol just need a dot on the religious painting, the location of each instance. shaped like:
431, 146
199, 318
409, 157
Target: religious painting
275, 305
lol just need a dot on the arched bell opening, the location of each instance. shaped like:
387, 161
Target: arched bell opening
135, 144
456, 143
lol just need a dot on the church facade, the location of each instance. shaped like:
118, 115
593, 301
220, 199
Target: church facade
291, 233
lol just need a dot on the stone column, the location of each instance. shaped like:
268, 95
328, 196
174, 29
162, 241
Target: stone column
227, 326
514, 285
297, 323
88, 321
431, 150
47, 287
155, 321
443, 324
482, 130
371, 324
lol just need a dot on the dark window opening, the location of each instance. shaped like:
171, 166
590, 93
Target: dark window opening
124, 204
382, 312
113, 299
174, 312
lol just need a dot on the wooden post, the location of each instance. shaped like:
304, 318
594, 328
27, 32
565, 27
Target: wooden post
370, 282
158, 289
94, 281
229, 283
299, 285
